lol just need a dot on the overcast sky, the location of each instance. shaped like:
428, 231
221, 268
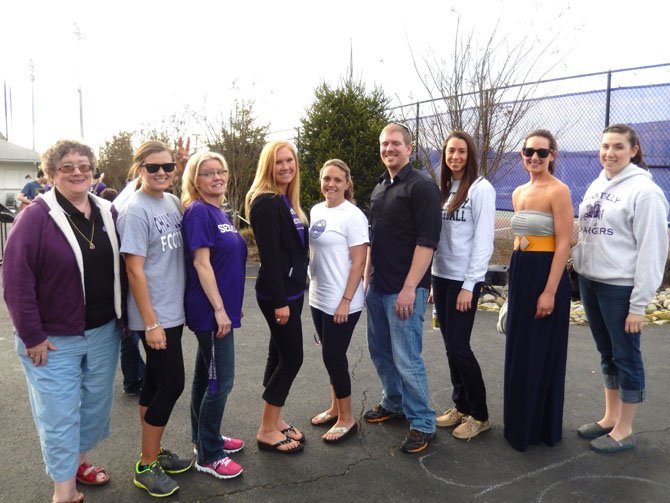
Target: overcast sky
141, 61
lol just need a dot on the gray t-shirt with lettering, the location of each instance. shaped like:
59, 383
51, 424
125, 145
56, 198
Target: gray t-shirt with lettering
151, 228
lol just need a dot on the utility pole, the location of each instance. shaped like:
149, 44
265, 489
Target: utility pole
32, 85
6, 111
78, 36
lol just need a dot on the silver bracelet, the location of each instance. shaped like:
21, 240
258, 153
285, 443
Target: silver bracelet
152, 327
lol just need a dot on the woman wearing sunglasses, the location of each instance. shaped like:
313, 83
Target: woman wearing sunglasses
151, 241
62, 286
459, 267
216, 257
279, 224
620, 256
539, 300
339, 245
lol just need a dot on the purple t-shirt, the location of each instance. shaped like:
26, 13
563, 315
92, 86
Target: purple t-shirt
203, 226
296, 219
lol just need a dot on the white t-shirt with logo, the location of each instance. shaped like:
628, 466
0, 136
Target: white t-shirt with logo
332, 232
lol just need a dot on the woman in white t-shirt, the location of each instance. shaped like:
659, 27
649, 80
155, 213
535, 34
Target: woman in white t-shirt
338, 242
459, 268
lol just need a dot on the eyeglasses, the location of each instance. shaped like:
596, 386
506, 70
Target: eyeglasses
210, 174
542, 153
168, 167
69, 168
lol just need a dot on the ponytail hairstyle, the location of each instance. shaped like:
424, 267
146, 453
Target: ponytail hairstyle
633, 140
143, 151
553, 144
349, 192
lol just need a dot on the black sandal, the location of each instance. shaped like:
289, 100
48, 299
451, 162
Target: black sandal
290, 428
264, 446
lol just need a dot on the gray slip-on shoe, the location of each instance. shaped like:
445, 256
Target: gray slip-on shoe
607, 444
592, 430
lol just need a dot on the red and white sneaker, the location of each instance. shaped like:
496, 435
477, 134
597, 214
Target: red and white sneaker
230, 445
224, 468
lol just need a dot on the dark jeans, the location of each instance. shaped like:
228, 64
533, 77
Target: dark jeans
164, 377
284, 351
469, 392
208, 404
606, 307
132, 364
335, 339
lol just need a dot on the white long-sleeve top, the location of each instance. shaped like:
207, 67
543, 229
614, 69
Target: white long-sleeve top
623, 234
466, 239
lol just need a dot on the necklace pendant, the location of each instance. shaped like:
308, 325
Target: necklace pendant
91, 246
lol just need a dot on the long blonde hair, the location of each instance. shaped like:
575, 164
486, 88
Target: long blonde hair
189, 192
264, 181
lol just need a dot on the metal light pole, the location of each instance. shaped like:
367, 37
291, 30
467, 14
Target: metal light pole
32, 90
78, 35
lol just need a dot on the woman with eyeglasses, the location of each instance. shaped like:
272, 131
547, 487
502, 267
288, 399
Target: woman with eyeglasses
538, 312
151, 241
620, 257
215, 269
62, 286
339, 243
279, 225
459, 267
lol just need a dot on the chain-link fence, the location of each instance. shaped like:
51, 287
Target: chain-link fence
575, 109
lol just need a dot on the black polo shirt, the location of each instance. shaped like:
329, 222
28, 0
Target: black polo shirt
98, 262
404, 212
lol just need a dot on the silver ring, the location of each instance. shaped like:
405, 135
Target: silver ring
278, 320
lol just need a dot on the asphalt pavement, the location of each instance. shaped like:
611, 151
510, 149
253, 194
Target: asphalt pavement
369, 466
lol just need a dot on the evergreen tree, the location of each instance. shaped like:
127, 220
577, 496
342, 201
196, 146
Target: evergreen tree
344, 123
115, 159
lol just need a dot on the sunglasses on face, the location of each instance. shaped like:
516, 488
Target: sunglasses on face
542, 153
168, 167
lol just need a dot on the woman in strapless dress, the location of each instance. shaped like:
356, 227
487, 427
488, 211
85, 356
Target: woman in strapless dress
539, 300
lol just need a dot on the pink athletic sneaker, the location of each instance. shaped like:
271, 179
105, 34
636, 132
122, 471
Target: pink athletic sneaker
224, 468
231, 445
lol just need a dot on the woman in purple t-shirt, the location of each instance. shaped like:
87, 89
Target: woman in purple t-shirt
215, 267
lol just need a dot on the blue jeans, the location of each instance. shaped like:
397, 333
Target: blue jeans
606, 308
395, 348
208, 404
132, 364
71, 396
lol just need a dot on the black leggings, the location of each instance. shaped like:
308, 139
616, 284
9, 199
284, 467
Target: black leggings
163, 377
335, 339
284, 351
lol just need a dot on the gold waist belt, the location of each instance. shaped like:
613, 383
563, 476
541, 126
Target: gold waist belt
535, 243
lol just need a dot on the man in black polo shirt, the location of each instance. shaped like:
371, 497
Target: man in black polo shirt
405, 228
